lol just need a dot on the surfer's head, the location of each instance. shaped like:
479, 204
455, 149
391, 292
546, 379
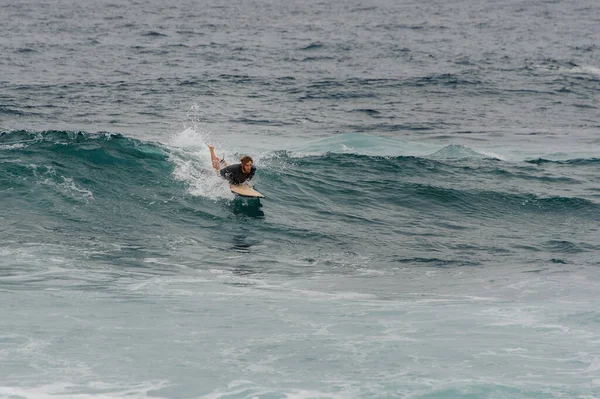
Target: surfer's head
247, 163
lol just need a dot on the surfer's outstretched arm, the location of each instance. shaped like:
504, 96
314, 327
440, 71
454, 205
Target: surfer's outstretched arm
216, 162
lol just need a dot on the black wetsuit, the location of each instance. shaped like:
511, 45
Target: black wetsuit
234, 173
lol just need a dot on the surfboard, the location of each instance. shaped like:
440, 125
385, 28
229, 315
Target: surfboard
245, 191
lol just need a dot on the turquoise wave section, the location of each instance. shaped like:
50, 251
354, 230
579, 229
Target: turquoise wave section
100, 190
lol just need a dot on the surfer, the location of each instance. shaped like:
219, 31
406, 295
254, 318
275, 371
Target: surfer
237, 173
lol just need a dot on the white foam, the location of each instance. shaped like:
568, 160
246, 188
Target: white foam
247, 389
190, 139
504, 317
65, 390
579, 69
320, 295
191, 157
67, 187
586, 70
594, 362
12, 146
493, 155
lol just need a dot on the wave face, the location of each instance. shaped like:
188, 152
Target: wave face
102, 190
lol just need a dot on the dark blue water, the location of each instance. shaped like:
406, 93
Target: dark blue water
431, 211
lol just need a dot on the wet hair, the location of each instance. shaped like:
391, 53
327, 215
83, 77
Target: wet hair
245, 159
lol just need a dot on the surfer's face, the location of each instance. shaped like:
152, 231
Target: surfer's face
247, 167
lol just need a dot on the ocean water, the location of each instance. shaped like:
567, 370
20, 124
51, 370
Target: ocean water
431, 226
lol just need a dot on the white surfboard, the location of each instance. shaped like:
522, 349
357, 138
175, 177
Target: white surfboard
245, 191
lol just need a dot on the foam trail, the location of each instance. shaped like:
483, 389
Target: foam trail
247, 389
66, 390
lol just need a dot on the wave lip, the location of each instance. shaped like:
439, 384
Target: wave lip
378, 146
457, 151
361, 144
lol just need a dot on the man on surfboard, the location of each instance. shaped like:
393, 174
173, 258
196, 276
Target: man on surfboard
237, 173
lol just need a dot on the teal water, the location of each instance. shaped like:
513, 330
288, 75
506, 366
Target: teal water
129, 269
430, 220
